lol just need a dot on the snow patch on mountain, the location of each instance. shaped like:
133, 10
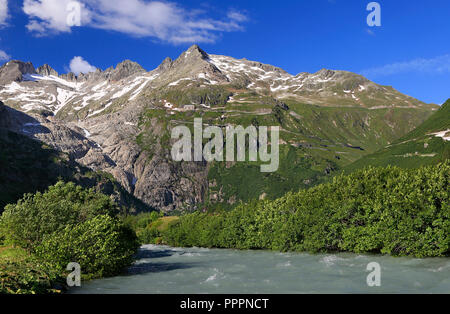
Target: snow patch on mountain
445, 135
100, 110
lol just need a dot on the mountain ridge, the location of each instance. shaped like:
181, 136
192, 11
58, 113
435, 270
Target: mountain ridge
119, 121
194, 54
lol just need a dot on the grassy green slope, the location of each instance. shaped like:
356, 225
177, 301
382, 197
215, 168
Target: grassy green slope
315, 140
417, 148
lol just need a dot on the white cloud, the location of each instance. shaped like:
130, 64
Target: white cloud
4, 56
439, 64
166, 21
3, 11
79, 65
50, 15
370, 32
3, 16
237, 16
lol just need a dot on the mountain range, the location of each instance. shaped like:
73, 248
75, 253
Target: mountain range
118, 121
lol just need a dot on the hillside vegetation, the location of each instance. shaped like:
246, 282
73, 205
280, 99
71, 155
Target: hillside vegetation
378, 210
315, 142
422, 146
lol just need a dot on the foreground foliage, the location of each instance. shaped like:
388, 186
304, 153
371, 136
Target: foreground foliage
103, 246
379, 210
26, 223
21, 273
63, 225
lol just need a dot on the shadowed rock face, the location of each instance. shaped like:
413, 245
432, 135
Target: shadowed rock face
97, 117
27, 165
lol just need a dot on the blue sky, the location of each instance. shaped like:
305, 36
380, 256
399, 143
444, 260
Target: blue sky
410, 51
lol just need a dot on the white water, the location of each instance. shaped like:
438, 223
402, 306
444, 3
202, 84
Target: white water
162, 269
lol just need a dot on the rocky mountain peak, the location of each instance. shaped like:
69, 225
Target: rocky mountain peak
92, 76
46, 70
194, 63
196, 52
165, 65
129, 65
194, 55
267, 67
326, 74
123, 70
14, 70
69, 76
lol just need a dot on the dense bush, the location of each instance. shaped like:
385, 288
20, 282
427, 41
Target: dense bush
149, 235
146, 226
63, 225
381, 210
102, 246
28, 276
141, 220
26, 223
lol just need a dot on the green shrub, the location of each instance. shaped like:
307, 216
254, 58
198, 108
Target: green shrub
63, 225
149, 235
102, 246
380, 210
141, 220
146, 226
26, 223
27, 276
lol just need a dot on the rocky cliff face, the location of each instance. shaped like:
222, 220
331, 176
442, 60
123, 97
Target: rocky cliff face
119, 121
122, 71
46, 70
28, 165
14, 71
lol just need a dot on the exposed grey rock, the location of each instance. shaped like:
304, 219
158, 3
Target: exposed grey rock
191, 63
14, 120
46, 70
123, 70
14, 70
69, 76
326, 74
165, 65
165, 185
